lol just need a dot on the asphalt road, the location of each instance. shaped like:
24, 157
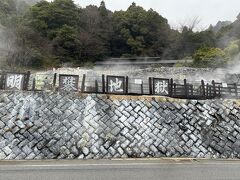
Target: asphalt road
120, 170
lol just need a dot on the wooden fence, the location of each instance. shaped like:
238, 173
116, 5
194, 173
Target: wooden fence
122, 85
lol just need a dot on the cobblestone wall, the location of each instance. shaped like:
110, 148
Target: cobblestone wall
38, 125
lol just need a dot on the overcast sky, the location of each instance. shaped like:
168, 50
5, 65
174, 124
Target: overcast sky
180, 11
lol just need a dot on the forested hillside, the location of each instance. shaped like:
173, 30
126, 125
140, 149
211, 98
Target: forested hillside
50, 34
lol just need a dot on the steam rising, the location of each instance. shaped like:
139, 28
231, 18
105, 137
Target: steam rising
7, 39
3, 44
234, 67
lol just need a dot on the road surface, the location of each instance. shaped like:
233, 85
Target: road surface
120, 170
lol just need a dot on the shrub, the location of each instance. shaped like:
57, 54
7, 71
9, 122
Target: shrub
209, 57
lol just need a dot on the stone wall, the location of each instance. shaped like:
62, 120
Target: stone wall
40, 125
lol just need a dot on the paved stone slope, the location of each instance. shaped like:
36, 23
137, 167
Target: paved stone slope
38, 125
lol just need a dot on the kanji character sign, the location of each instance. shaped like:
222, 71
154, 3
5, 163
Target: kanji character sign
68, 82
14, 81
116, 84
160, 86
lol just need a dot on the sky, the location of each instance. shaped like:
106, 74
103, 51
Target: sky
180, 12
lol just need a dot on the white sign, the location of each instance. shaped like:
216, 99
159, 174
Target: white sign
138, 81
224, 85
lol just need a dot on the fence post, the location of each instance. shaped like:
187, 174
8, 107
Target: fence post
171, 87
203, 89
83, 83
185, 88
191, 90
219, 90
236, 89
107, 85
175, 89
26, 80
214, 88
207, 91
54, 80
142, 88
2, 81
96, 86
150, 86
103, 83
34, 84
126, 90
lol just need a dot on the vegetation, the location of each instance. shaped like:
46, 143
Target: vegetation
209, 57
54, 33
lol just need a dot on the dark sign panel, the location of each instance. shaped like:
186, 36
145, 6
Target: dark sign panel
68, 82
160, 86
14, 81
116, 84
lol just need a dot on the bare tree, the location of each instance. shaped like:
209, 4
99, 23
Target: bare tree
191, 24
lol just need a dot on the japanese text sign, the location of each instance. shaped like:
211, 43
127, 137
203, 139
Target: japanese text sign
68, 82
14, 81
161, 86
116, 84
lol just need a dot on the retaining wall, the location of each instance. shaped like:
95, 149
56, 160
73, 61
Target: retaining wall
40, 125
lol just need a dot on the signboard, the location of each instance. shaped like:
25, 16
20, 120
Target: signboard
138, 81
224, 85
116, 84
68, 82
43, 81
160, 86
14, 81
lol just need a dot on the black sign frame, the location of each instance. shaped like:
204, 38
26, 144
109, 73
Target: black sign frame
123, 78
68, 75
154, 86
24, 83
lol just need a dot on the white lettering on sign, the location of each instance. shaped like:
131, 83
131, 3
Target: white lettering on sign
116, 86
161, 87
14, 81
69, 83
138, 81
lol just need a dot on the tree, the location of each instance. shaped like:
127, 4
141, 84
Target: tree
56, 32
7, 11
232, 50
66, 44
139, 32
209, 57
47, 17
103, 10
96, 22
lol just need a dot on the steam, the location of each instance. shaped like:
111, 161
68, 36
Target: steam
234, 66
7, 45
7, 35
3, 44
1, 37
